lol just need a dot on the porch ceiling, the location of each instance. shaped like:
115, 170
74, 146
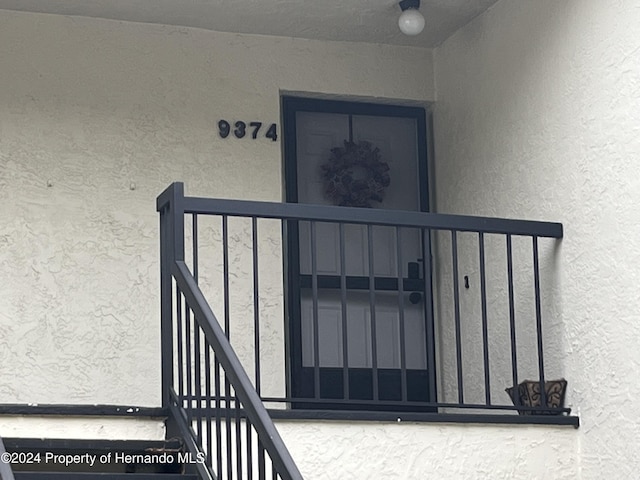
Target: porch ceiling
371, 21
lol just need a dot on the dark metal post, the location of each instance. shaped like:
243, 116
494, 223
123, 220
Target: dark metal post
456, 306
256, 302
485, 328
225, 274
512, 313
401, 321
536, 276
6, 473
170, 204
343, 308
372, 309
314, 297
428, 309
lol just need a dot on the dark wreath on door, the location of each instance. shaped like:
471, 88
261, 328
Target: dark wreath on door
357, 335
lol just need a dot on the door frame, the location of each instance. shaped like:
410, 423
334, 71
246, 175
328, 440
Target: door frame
292, 287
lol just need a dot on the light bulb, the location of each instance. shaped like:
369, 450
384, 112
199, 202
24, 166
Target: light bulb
411, 22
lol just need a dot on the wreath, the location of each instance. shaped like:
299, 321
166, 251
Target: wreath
355, 175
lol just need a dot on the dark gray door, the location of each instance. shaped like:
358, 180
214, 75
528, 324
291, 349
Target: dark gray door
385, 332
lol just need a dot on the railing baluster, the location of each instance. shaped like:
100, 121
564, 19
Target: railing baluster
207, 390
512, 314
372, 310
249, 442
256, 301
485, 329
6, 472
315, 320
238, 424
180, 344
189, 363
194, 241
227, 427
536, 273
196, 333
343, 309
401, 301
456, 303
227, 330
428, 310
261, 462
225, 274
198, 381
218, 398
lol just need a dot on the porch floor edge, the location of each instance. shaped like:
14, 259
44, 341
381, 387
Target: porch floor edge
475, 418
82, 410
296, 414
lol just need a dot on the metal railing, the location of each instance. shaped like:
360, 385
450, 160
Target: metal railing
226, 427
439, 315
6, 473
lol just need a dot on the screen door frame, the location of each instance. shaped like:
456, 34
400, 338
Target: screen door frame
290, 106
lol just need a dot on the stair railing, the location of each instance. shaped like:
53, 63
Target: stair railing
211, 400
6, 473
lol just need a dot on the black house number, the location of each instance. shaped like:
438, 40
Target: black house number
241, 129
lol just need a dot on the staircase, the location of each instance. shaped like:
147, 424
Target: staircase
57, 459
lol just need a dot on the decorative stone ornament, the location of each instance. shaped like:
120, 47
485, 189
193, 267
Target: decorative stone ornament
527, 394
355, 175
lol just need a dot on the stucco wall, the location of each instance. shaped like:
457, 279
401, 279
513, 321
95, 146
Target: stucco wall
327, 450
537, 114
399, 451
105, 428
108, 114
96, 118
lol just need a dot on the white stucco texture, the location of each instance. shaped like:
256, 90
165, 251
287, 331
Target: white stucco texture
97, 117
537, 116
400, 451
97, 428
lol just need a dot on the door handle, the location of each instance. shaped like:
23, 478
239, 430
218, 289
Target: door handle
413, 270
415, 298
413, 273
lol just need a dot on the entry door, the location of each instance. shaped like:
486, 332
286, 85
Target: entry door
361, 341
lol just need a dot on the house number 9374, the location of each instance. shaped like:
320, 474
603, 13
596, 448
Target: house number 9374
241, 130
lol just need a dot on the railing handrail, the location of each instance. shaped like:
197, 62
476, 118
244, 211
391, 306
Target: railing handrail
400, 218
6, 473
235, 373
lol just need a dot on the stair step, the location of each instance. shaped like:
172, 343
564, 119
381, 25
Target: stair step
101, 476
50, 444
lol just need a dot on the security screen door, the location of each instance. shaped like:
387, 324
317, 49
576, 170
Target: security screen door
378, 333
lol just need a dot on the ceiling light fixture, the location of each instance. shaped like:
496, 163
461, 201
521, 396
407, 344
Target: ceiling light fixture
411, 21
